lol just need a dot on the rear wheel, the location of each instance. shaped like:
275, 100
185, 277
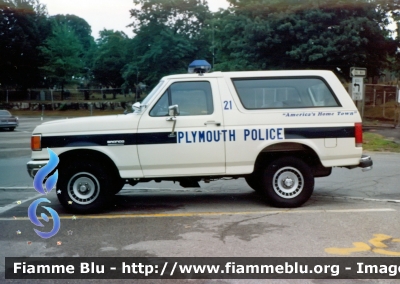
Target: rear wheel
85, 187
287, 182
11, 128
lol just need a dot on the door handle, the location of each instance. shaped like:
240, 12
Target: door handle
213, 122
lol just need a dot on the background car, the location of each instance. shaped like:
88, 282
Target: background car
7, 120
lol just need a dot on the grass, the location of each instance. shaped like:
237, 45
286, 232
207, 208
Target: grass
377, 142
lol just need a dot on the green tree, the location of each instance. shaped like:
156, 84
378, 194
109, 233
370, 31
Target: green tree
163, 54
63, 54
110, 58
23, 27
168, 38
182, 16
290, 34
83, 31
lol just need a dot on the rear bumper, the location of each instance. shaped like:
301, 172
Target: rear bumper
34, 166
365, 164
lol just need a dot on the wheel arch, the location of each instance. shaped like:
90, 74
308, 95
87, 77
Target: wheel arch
91, 155
299, 150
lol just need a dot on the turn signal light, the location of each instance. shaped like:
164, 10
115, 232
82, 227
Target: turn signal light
36, 143
358, 134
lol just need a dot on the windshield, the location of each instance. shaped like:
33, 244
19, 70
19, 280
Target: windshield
149, 97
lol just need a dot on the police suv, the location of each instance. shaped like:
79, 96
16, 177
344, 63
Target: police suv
277, 129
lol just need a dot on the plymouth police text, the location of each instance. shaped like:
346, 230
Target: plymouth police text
266, 134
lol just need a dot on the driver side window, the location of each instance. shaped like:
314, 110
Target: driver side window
193, 98
161, 107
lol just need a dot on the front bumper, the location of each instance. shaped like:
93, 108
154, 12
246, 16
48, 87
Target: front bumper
365, 164
8, 125
34, 166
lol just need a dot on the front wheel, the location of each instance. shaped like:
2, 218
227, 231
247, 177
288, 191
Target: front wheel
119, 185
288, 182
254, 181
84, 187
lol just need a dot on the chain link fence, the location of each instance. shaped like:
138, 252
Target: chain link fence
381, 102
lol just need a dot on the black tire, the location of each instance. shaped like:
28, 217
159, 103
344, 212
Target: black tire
119, 185
288, 182
11, 128
84, 187
255, 182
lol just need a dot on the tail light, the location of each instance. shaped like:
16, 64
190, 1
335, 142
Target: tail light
36, 142
358, 135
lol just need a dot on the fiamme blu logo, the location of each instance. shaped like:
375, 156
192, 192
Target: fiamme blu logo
44, 187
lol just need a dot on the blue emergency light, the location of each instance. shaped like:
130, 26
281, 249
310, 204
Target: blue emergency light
199, 66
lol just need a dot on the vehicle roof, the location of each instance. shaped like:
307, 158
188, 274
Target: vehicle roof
237, 74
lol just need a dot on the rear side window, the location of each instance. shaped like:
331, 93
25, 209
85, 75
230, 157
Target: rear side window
272, 93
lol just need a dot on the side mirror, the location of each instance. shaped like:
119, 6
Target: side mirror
173, 110
136, 106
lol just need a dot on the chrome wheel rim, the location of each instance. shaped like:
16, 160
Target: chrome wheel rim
83, 188
288, 182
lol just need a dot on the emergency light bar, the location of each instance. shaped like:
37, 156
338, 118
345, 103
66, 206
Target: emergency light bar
199, 66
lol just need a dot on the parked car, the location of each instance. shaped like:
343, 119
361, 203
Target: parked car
7, 120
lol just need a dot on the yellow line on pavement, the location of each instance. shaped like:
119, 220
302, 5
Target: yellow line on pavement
194, 214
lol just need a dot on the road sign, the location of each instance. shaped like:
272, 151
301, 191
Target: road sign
357, 88
358, 72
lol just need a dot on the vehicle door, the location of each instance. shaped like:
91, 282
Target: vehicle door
189, 143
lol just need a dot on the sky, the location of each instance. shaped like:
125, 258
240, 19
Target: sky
107, 14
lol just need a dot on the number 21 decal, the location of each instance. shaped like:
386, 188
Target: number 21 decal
227, 105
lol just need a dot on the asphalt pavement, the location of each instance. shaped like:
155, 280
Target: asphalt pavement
351, 213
